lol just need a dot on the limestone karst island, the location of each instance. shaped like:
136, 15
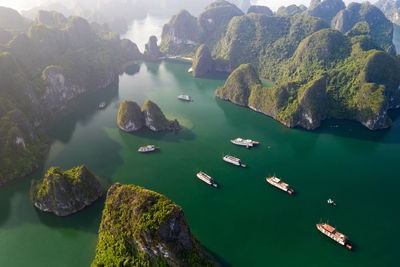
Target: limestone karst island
199, 133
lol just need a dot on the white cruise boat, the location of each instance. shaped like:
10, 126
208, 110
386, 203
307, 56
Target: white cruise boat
102, 105
233, 160
244, 142
275, 181
185, 98
149, 148
206, 178
331, 232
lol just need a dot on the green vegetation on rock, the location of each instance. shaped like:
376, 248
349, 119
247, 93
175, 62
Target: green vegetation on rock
203, 63
42, 69
130, 117
155, 119
260, 10
140, 227
65, 192
381, 28
290, 10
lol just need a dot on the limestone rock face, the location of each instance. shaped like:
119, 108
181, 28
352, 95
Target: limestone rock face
152, 51
155, 119
65, 192
260, 10
130, 117
203, 62
153, 228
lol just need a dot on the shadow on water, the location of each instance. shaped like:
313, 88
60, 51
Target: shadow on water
172, 137
86, 220
219, 261
132, 69
153, 67
81, 110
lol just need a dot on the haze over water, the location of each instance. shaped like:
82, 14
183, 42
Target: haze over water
245, 222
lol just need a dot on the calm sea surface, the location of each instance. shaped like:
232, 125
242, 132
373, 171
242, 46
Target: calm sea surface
245, 222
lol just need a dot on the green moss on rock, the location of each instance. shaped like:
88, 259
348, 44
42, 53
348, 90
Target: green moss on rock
143, 228
239, 85
203, 63
155, 119
130, 117
65, 192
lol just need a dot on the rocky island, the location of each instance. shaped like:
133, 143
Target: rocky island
140, 227
203, 63
327, 61
65, 192
131, 118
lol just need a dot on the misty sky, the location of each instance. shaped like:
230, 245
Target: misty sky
273, 4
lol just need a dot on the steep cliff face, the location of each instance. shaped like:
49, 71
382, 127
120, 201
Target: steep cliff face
130, 117
143, 228
381, 28
203, 63
65, 192
60, 90
152, 51
155, 119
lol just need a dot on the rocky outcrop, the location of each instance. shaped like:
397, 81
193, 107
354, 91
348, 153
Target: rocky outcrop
60, 90
131, 118
203, 63
155, 119
260, 10
381, 28
326, 9
152, 51
153, 228
65, 192
290, 10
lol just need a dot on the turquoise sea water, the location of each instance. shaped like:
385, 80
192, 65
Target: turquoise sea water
245, 222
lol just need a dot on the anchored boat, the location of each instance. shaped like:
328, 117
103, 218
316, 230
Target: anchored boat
275, 181
146, 149
244, 142
331, 202
331, 232
185, 98
233, 160
206, 178
102, 105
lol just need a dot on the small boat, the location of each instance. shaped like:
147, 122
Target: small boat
244, 142
190, 70
149, 148
206, 178
331, 202
185, 98
102, 105
331, 232
233, 160
275, 181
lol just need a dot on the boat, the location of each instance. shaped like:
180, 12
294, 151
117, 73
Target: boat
102, 105
275, 181
244, 142
331, 202
149, 148
206, 178
185, 98
331, 232
190, 70
233, 160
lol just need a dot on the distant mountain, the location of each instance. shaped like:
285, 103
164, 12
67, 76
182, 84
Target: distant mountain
48, 63
319, 72
391, 8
